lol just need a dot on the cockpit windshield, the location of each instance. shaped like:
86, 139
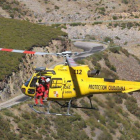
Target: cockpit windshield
33, 83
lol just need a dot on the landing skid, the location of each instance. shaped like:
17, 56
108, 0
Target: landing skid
48, 110
74, 106
67, 105
47, 113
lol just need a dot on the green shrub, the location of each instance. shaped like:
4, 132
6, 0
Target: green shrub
90, 123
122, 137
5, 130
80, 124
118, 109
122, 95
93, 134
80, 62
123, 25
100, 103
102, 119
118, 99
132, 99
111, 115
90, 37
16, 119
26, 115
83, 24
116, 24
111, 104
131, 105
107, 62
95, 58
22, 35
64, 26
105, 136
56, 7
117, 37
136, 17
125, 1
125, 52
83, 136
8, 113
12, 15
115, 18
110, 24
97, 22
101, 10
113, 124
56, 25
129, 25
113, 68
137, 124
6, 7
75, 24
54, 135
108, 39
107, 74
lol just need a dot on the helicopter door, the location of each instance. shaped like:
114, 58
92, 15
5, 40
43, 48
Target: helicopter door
55, 90
32, 86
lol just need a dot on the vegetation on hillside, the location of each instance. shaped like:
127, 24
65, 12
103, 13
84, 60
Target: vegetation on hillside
22, 35
123, 25
108, 122
112, 120
97, 57
14, 8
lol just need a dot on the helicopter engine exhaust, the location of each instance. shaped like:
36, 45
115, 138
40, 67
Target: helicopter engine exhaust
93, 73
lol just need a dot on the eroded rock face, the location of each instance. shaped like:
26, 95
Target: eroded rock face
11, 85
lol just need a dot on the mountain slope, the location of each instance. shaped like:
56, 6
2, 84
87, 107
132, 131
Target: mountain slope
70, 10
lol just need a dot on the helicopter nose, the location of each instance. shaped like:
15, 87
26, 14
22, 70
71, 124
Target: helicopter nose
23, 90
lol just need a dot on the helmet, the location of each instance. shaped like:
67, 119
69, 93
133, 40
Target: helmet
42, 79
37, 84
48, 80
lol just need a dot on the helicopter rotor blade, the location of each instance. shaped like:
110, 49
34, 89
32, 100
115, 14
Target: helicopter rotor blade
71, 62
26, 52
63, 54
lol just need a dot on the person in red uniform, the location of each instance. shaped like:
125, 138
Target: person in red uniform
47, 85
42, 79
40, 89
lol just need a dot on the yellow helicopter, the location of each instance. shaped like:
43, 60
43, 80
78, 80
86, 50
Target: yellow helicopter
70, 81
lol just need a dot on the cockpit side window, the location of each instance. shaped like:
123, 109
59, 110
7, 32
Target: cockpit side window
56, 83
26, 83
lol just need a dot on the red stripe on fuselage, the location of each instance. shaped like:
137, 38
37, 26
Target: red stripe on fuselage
29, 52
7, 50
